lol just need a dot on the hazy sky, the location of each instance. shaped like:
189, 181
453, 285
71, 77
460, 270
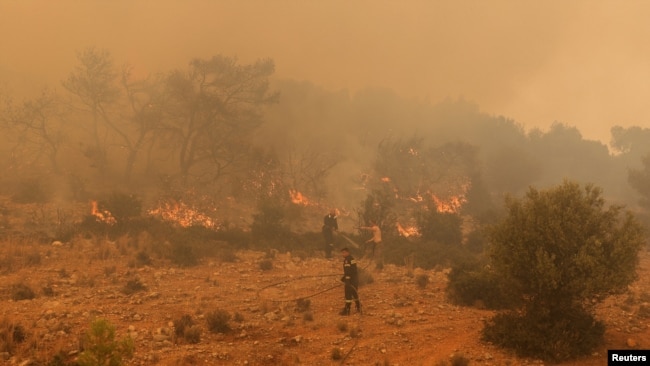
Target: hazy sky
584, 63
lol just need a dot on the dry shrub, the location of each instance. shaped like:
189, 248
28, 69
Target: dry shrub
217, 321
21, 291
11, 335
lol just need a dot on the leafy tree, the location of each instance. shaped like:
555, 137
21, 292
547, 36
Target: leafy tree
565, 250
211, 110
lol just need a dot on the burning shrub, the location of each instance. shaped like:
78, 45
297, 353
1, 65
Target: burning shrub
123, 207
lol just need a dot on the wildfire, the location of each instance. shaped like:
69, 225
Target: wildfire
385, 179
452, 203
101, 215
183, 215
409, 231
298, 198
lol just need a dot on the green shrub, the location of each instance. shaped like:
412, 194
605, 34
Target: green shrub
548, 336
440, 227
472, 282
100, 347
217, 321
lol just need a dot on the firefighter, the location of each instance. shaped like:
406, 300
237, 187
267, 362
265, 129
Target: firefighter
351, 280
330, 226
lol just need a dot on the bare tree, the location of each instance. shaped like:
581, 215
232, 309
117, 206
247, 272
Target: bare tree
37, 129
211, 110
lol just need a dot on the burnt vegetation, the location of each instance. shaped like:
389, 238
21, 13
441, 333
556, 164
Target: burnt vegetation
195, 164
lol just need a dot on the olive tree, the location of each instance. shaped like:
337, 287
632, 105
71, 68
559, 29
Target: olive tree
565, 250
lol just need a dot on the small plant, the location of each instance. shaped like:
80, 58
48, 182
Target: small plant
192, 334
266, 265
308, 316
355, 332
133, 286
303, 305
20, 291
181, 324
11, 335
422, 280
337, 354
100, 347
342, 326
459, 360
238, 317
142, 259
218, 321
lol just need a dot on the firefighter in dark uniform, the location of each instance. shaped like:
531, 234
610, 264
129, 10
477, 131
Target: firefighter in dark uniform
330, 225
351, 280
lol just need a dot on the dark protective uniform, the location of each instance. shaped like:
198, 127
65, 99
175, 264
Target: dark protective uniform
351, 280
330, 224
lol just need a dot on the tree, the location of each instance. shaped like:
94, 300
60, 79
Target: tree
37, 129
125, 112
93, 82
566, 251
639, 179
212, 109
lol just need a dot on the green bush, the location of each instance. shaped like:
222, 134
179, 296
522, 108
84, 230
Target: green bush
100, 347
549, 336
472, 282
563, 248
440, 226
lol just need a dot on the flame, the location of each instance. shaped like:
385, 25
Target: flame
452, 203
298, 198
409, 231
183, 215
385, 179
101, 215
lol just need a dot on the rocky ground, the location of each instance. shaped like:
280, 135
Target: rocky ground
403, 323
406, 320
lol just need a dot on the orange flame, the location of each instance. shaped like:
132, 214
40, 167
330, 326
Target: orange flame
298, 198
183, 215
409, 231
101, 215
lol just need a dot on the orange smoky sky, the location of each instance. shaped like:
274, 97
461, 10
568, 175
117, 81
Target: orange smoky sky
583, 63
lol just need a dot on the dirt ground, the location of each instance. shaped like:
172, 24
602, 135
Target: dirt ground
403, 323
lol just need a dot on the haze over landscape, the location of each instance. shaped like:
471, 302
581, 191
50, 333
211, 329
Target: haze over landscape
582, 63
